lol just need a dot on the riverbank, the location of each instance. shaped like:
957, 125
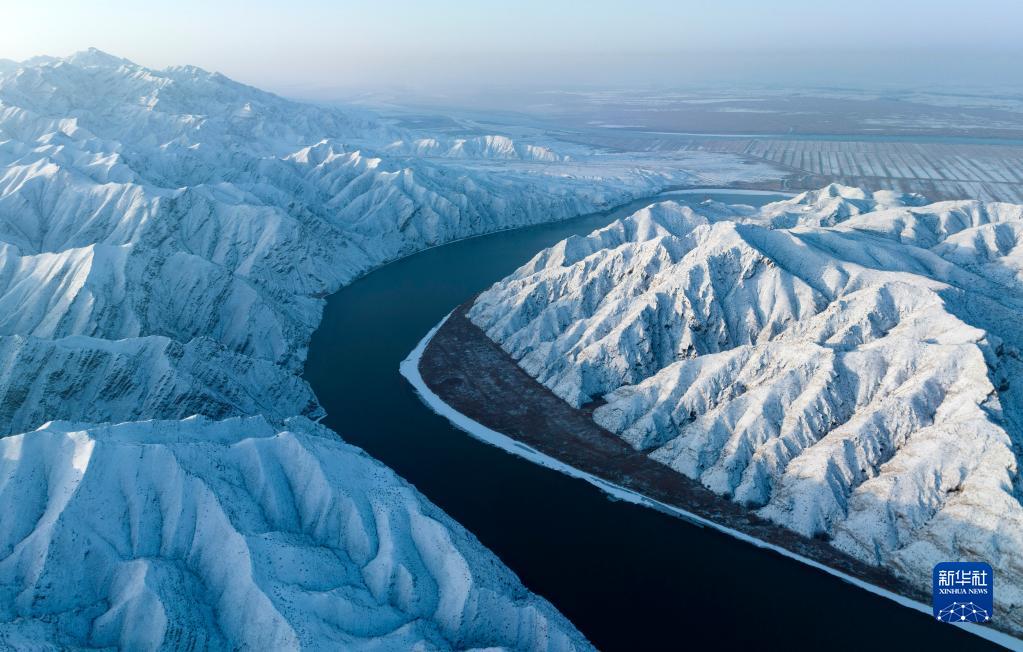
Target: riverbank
467, 378
627, 576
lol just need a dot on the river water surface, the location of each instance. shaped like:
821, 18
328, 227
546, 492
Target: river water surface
629, 577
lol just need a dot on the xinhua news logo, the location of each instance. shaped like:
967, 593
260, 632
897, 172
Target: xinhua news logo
963, 592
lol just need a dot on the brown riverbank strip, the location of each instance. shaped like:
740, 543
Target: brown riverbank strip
476, 377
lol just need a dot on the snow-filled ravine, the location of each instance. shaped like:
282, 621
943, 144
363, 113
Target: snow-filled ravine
627, 576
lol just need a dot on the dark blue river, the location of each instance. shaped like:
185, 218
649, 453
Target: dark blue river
630, 578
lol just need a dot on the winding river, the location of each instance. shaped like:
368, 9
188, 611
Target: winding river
630, 578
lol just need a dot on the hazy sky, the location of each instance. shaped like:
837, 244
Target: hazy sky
316, 46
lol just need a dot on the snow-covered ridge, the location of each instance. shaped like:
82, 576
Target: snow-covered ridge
851, 376
166, 241
233, 534
492, 147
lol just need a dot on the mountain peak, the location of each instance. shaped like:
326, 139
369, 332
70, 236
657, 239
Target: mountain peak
94, 57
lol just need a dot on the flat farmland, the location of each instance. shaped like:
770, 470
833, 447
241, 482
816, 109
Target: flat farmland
937, 170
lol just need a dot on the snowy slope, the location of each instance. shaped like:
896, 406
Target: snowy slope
234, 535
80, 377
166, 242
851, 377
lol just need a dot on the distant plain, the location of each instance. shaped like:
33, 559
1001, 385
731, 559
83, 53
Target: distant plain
941, 145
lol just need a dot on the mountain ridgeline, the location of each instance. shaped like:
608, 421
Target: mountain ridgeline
843, 363
167, 239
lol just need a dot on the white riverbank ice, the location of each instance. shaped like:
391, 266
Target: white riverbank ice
166, 241
410, 370
842, 363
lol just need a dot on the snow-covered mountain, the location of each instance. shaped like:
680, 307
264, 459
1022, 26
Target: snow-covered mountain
166, 241
201, 534
844, 364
